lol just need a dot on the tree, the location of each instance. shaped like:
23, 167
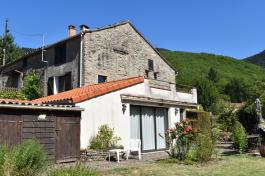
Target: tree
32, 88
237, 91
213, 75
13, 52
207, 93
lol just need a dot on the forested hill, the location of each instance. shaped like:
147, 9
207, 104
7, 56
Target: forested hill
258, 59
192, 66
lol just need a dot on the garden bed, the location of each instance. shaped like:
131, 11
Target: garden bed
94, 155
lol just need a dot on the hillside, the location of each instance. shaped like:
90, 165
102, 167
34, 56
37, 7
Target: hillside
192, 66
258, 59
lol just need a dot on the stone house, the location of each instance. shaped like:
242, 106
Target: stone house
92, 56
116, 76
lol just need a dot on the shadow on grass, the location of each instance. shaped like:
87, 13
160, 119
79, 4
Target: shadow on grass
230, 153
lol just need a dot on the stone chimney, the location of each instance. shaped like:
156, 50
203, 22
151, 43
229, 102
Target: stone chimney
84, 28
71, 30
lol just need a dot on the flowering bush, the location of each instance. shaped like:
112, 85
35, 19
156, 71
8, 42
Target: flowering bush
180, 139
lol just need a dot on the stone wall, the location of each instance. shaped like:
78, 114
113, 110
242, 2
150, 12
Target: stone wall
34, 63
119, 52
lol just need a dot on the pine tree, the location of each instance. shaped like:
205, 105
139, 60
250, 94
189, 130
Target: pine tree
13, 52
213, 75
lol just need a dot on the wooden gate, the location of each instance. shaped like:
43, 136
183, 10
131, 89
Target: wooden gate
67, 139
41, 130
10, 129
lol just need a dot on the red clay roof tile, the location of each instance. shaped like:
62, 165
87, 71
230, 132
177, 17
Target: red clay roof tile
90, 91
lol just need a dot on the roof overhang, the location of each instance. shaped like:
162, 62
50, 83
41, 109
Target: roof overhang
149, 101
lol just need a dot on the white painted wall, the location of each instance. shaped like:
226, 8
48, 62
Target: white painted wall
107, 109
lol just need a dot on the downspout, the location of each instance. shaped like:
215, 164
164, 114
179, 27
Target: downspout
81, 61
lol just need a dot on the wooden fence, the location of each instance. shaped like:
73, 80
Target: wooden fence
10, 89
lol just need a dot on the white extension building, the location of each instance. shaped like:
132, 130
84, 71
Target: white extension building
133, 107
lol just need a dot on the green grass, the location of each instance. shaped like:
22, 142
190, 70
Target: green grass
192, 66
226, 166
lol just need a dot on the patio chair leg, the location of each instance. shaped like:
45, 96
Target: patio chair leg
118, 157
127, 155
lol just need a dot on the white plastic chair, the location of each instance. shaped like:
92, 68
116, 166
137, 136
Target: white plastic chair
134, 145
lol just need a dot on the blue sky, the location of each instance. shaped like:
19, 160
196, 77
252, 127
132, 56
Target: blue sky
229, 27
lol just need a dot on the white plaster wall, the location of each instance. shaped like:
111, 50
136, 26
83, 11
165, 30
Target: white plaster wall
173, 117
107, 109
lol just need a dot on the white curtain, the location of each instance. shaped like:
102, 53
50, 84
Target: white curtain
148, 132
160, 128
135, 122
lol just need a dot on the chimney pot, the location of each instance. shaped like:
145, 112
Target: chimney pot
71, 30
84, 28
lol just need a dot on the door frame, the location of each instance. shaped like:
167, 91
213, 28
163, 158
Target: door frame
155, 130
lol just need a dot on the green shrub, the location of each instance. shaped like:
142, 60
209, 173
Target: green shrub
32, 86
227, 120
180, 139
204, 148
77, 170
3, 154
104, 139
5, 161
205, 139
12, 95
29, 158
239, 137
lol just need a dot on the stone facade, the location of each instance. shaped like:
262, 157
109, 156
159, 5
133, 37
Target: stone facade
47, 69
120, 52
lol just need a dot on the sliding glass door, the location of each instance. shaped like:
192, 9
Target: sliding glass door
149, 124
148, 128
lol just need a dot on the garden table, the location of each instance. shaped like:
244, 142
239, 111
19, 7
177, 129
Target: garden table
117, 152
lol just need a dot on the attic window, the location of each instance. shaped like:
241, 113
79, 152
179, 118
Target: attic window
150, 65
60, 54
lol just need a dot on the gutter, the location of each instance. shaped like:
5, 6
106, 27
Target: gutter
12, 106
81, 59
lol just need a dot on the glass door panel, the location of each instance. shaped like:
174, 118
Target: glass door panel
148, 128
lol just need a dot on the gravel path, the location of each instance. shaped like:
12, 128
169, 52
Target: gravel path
132, 162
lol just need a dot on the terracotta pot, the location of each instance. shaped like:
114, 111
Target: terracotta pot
262, 150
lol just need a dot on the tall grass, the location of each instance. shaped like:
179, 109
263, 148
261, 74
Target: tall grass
77, 170
26, 159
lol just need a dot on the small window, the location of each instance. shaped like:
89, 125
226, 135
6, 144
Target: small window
60, 54
102, 79
150, 65
181, 114
50, 86
155, 75
147, 73
65, 82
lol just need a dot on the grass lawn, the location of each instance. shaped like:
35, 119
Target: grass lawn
227, 165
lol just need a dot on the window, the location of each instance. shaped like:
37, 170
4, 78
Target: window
60, 54
156, 75
150, 65
65, 82
50, 86
102, 79
181, 114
